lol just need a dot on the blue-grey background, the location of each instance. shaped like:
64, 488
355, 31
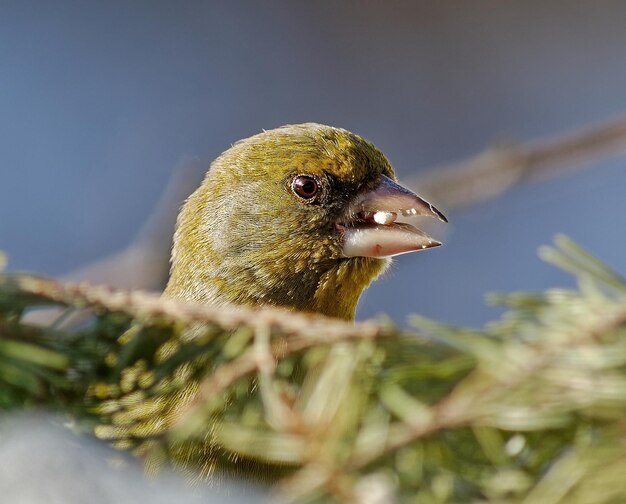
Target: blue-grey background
100, 100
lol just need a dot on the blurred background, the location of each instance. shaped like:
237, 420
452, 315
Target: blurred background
100, 102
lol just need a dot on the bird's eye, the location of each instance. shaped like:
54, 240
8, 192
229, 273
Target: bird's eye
304, 186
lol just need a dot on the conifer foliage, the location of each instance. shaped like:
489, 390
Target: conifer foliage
529, 409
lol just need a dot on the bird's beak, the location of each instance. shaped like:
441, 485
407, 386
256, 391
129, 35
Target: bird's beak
370, 228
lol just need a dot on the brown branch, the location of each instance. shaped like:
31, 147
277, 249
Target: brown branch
144, 263
301, 328
497, 170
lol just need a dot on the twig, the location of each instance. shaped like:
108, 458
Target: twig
144, 263
497, 170
301, 328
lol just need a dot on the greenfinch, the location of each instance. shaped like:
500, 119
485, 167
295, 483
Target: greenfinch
304, 217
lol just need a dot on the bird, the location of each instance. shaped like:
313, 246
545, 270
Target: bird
302, 217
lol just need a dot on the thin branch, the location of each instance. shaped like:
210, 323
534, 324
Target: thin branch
144, 263
497, 170
303, 329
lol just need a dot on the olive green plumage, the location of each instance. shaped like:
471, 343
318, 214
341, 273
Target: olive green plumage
244, 237
268, 226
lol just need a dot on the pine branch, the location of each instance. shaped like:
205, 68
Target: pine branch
528, 409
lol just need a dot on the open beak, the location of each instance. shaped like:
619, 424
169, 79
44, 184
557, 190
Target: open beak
370, 227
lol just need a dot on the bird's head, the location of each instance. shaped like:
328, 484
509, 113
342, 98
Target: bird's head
303, 216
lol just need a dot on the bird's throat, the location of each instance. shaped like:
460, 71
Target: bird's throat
333, 292
340, 288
